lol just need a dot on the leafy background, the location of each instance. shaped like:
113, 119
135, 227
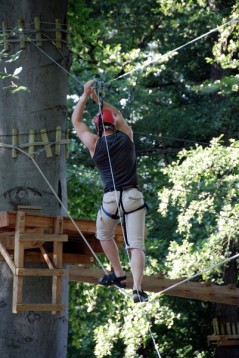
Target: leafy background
183, 108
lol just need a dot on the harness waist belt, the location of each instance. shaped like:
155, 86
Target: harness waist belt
131, 186
122, 188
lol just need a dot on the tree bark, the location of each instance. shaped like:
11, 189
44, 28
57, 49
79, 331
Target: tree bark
42, 107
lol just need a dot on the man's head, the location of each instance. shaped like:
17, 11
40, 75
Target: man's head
108, 120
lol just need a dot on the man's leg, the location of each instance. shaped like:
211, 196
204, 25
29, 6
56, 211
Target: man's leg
111, 251
137, 267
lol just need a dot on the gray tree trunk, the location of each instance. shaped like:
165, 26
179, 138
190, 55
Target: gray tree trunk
43, 107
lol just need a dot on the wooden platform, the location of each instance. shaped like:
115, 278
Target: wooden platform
55, 240
75, 250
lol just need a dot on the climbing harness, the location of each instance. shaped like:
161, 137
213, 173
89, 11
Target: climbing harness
116, 216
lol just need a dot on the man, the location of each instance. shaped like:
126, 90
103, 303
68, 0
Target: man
113, 153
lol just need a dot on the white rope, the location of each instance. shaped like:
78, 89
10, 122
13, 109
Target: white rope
160, 57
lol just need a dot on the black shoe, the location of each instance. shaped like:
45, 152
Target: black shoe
112, 279
140, 296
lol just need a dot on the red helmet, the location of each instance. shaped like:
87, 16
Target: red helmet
108, 117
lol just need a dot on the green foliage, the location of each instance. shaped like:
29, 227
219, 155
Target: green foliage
105, 323
203, 187
225, 49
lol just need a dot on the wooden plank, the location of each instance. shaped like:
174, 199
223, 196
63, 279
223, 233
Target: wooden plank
21, 27
5, 220
78, 259
40, 272
223, 340
47, 258
68, 258
15, 142
215, 326
234, 329
228, 328
155, 283
8, 239
5, 36
47, 144
31, 148
222, 329
43, 237
57, 261
7, 257
19, 261
224, 337
40, 307
58, 33
58, 139
67, 136
37, 24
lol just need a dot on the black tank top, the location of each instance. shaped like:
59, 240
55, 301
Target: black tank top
122, 158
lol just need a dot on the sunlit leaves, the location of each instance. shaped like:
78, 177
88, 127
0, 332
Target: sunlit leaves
226, 48
11, 77
204, 189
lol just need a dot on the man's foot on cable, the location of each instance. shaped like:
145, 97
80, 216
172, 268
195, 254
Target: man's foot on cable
140, 296
112, 279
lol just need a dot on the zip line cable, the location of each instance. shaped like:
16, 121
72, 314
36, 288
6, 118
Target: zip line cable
146, 64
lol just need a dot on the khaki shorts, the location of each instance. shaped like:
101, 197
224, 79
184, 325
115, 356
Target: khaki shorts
132, 199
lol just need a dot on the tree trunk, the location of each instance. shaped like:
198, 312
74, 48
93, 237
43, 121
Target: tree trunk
32, 113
